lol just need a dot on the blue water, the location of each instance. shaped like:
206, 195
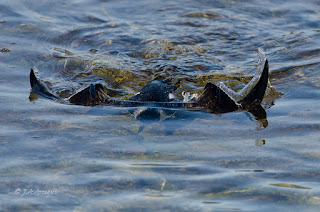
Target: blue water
57, 157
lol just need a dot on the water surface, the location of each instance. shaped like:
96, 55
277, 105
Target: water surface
64, 157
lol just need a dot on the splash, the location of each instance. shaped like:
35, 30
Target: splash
237, 96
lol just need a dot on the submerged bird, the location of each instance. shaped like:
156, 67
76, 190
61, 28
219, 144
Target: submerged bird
157, 95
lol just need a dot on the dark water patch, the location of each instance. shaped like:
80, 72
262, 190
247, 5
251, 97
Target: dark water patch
309, 54
210, 15
289, 186
192, 24
249, 170
219, 33
6, 11
4, 50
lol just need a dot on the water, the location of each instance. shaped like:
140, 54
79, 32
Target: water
63, 157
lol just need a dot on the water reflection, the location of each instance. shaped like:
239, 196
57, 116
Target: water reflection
148, 116
260, 142
259, 115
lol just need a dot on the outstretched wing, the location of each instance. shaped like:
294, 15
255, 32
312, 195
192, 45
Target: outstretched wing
92, 95
216, 99
256, 94
220, 98
38, 88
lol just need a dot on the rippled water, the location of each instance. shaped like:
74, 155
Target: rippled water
65, 157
